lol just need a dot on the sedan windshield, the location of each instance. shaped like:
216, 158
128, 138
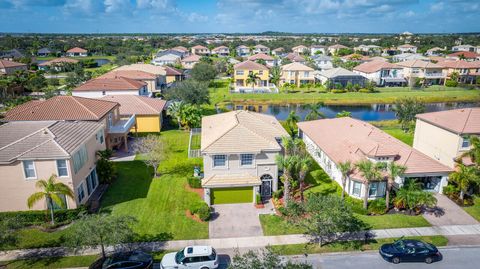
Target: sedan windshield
179, 257
399, 245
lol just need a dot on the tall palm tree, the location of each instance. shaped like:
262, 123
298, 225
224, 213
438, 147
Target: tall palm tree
51, 191
275, 75
252, 79
291, 121
394, 171
288, 164
174, 110
370, 172
304, 166
464, 177
314, 111
346, 169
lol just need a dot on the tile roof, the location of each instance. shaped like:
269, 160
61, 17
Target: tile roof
171, 71
302, 47
138, 105
338, 46
59, 60
249, 65
260, 46
148, 68
180, 48
230, 180
199, 47
350, 139
407, 46
8, 64
191, 58
419, 64
110, 84
261, 56
459, 64
220, 48
460, 121
240, 131
339, 71
296, 67
278, 49
295, 57
375, 66
77, 50
356, 57
130, 74
69, 108
43, 139
466, 54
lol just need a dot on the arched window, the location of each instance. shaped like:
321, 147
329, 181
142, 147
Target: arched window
266, 177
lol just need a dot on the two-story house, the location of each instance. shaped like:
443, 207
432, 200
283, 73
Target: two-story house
261, 49
334, 141
190, 61
168, 57
77, 52
159, 72
74, 108
34, 150
318, 49
382, 73
333, 49
239, 150
9, 67
407, 48
269, 60
301, 49
221, 51
322, 62
200, 50
141, 76
444, 135
241, 76
99, 87
278, 51
429, 73
296, 74
467, 72
242, 51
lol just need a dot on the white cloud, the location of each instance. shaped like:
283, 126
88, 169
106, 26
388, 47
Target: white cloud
117, 6
195, 17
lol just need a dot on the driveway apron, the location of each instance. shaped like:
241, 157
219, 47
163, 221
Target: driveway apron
448, 213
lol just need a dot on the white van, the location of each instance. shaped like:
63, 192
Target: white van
196, 257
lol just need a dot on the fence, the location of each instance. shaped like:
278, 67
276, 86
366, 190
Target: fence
194, 143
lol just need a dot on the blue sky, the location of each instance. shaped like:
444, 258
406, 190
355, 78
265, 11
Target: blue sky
194, 16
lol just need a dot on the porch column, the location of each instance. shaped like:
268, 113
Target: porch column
206, 196
125, 140
256, 190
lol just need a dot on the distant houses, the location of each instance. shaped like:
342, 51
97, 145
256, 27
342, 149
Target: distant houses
100, 87
10, 67
77, 52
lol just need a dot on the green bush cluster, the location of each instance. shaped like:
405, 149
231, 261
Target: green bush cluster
377, 206
201, 210
338, 91
365, 91
451, 83
194, 182
37, 217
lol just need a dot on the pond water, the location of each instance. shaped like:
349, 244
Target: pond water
374, 112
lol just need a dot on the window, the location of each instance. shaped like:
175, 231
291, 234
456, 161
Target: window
80, 158
110, 119
29, 168
62, 170
219, 160
260, 72
99, 136
465, 142
373, 192
357, 188
91, 180
246, 159
239, 72
103, 93
80, 192
306, 74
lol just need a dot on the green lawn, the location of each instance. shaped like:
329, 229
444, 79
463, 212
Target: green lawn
474, 210
391, 221
220, 94
392, 127
159, 204
296, 249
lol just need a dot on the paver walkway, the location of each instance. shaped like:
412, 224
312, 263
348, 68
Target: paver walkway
242, 242
448, 213
237, 220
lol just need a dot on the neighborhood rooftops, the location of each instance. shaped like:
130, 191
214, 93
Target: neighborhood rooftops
191, 58
335, 72
61, 60
69, 108
77, 50
130, 74
8, 64
348, 139
466, 54
261, 56
249, 65
137, 105
460, 121
375, 66
43, 139
296, 67
171, 71
419, 64
149, 68
111, 84
240, 132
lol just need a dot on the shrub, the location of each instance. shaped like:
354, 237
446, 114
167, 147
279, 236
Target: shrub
451, 83
201, 210
358, 208
278, 194
450, 190
258, 199
338, 91
365, 91
377, 206
39, 217
194, 182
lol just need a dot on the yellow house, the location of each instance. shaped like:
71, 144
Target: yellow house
147, 111
242, 71
173, 75
297, 74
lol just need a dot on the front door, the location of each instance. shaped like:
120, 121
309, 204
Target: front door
266, 188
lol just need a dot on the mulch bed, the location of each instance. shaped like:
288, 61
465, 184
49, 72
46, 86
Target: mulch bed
192, 216
197, 191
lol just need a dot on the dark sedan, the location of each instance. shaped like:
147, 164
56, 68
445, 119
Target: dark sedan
125, 260
410, 251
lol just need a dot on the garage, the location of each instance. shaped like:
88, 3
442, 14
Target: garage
231, 195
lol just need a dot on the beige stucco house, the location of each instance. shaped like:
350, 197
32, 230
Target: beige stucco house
296, 74
9, 67
239, 150
444, 135
30, 151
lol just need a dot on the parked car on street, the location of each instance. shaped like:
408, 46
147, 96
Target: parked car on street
404, 250
195, 257
125, 260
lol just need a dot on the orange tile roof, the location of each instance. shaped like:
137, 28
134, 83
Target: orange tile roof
460, 121
61, 108
200, 47
375, 66
171, 71
7, 64
110, 84
191, 58
261, 56
77, 50
58, 60
249, 65
131, 74
466, 54
348, 139
457, 64
138, 105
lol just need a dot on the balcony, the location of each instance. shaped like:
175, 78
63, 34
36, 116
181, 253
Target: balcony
434, 75
122, 126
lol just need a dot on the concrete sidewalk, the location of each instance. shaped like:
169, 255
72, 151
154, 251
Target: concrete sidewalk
242, 242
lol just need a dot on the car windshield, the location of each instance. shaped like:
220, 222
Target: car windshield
179, 257
400, 245
139, 256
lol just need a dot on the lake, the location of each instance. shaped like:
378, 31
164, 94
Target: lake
374, 112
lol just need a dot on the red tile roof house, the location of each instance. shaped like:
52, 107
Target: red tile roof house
467, 55
331, 141
190, 61
382, 73
74, 108
99, 87
9, 67
221, 51
57, 63
77, 52
200, 50
137, 75
269, 60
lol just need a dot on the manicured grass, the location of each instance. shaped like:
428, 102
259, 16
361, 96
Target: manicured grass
220, 94
54, 262
296, 249
275, 225
159, 204
393, 128
391, 221
474, 210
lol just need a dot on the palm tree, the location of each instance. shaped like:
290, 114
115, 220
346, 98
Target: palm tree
252, 79
291, 121
370, 172
288, 164
315, 112
464, 177
304, 166
51, 191
174, 110
394, 171
275, 75
411, 196
346, 169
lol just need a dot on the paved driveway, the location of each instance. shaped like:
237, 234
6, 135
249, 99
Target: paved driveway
236, 220
448, 213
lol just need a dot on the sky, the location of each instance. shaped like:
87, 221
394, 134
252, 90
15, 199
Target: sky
239, 16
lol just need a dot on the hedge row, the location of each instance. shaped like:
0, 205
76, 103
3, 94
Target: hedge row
38, 217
